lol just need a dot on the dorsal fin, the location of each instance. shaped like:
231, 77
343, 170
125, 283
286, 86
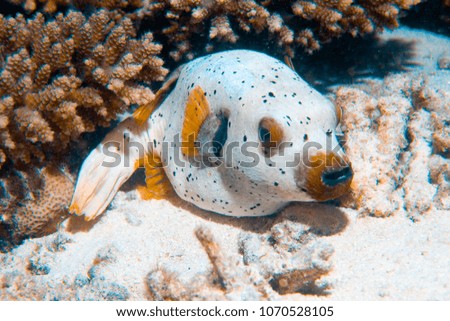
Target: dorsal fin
288, 62
196, 111
143, 112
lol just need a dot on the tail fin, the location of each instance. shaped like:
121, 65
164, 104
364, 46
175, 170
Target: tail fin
107, 167
116, 158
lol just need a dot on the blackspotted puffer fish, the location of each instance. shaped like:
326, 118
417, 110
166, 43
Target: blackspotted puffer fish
237, 133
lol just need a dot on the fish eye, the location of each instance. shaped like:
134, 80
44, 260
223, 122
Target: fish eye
213, 134
271, 136
221, 135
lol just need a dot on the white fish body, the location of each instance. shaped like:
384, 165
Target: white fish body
275, 140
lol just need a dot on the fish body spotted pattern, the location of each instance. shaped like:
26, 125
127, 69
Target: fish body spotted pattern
237, 133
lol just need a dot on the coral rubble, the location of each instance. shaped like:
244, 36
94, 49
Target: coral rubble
228, 278
402, 121
287, 259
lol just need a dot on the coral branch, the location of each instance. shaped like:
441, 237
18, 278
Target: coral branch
62, 78
304, 23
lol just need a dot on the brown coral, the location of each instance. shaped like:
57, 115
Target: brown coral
61, 78
49, 5
38, 207
315, 21
289, 23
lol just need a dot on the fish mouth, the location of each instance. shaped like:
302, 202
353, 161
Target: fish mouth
337, 176
328, 176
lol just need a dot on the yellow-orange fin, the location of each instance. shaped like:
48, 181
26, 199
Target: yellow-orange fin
196, 112
74, 208
143, 112
158, 185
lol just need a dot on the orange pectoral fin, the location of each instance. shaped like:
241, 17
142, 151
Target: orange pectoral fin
196, 111
158, 185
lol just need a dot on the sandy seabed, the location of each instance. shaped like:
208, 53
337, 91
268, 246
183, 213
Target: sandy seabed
389, 239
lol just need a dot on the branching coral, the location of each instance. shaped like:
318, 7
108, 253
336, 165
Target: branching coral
63, 77
288, 23
49, 5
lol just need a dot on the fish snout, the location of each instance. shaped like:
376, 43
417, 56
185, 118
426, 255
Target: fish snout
328, 175
335, 176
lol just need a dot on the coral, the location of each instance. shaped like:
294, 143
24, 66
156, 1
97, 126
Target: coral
289, 23
402, 121
49, 5
63, 77
36, 208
